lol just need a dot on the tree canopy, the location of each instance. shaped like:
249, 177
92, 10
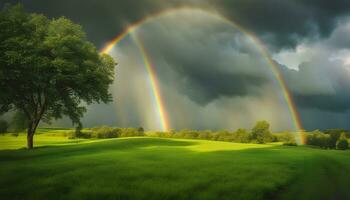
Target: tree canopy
261, 132
48, 68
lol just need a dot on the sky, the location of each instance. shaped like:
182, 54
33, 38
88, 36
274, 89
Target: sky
211, 74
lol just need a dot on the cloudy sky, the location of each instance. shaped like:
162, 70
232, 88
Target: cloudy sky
211, 74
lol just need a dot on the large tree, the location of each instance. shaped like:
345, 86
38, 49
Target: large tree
48, 68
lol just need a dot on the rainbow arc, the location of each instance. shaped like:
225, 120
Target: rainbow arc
153, 77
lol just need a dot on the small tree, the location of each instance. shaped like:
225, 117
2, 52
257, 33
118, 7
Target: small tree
48, 68
342, 143
261, 132
3, 126
141, 131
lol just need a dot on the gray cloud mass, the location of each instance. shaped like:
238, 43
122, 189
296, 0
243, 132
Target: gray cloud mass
213, 70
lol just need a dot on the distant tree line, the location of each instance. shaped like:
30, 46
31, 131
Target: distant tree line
260, 134
105, 132
329, 139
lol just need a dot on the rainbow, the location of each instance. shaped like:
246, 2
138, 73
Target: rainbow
300, 138
154, 85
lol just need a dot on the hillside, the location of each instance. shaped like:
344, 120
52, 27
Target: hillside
154, 168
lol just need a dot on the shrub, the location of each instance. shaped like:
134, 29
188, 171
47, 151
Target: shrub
225, 136
242, 136
158, 134
334, 135
106, 132
3, 126
214, 136
204, 135
181, 134
73, 134
131, 132
287, 138
342, 143
141, 131
317, 138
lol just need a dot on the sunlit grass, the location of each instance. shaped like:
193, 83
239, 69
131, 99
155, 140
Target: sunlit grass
9, 141
156, 168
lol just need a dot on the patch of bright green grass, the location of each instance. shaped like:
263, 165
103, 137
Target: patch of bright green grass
43, 137
155, 168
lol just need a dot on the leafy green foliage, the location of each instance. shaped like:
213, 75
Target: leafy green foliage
106, 132
317, 138
48, 68
342, 143
287, 138
242, 136
261, 132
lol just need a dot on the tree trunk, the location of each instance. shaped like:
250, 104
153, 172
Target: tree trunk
33, 124
30, 136
30, 133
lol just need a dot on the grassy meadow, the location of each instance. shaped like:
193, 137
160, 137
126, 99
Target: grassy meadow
159, 168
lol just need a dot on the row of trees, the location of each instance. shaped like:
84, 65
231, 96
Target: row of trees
330, 139
105, 132
260, 134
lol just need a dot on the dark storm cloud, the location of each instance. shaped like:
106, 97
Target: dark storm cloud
280, 24
102, 20
207, 85
207, 62
283, 24
210, 59
321, 85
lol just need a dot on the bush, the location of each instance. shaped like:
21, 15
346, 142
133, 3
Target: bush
342, 143
158, 134
3, 126
225, 136
287, 138
86, 134
204, 135
131, 132
242, 136
141, 131
106, 132
317, 138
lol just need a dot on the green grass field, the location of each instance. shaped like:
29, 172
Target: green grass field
155, 168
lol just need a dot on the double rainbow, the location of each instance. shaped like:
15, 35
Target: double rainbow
153, 76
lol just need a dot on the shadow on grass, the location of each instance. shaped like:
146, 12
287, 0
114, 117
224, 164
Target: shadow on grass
126, 169
86, 147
